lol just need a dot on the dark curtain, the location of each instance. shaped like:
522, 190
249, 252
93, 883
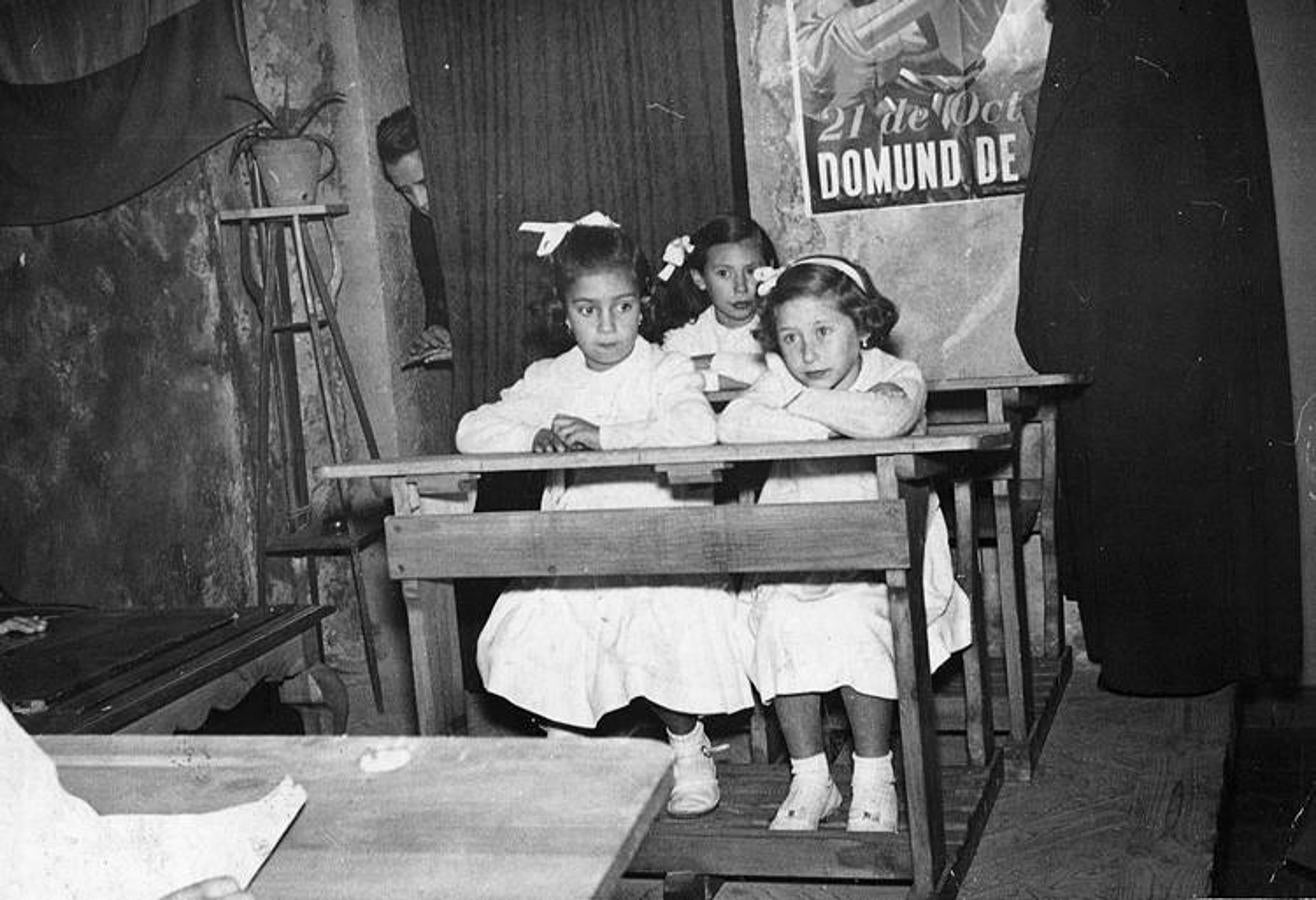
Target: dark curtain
545, 110
122, 102
1150, 261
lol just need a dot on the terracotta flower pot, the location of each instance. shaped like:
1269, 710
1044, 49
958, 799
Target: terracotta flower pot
291, 169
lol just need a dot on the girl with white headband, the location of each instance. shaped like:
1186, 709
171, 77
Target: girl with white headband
571, 649
823, 324
705, 303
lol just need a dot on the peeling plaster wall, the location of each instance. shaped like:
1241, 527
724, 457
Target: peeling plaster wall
128, 354
124, 429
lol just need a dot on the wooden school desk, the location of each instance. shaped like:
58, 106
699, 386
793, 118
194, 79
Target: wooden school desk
470, 818
95, 671
434, 536
1019, 502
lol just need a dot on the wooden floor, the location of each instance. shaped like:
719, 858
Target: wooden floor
1123, 804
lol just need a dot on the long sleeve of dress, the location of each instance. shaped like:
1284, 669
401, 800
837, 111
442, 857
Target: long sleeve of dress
679, 416
813, 414
864, 414
509, 424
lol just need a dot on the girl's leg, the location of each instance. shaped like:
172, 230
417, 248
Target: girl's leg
873, 802
694, 776
870, 722
813, 796
677, 723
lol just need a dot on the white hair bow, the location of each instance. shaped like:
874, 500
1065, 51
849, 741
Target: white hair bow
766, 276
554, 232
678, 248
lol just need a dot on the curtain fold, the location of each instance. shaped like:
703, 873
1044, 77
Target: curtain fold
545, 110
1149, 260
127, 95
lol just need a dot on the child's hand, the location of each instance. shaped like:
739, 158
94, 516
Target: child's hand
224, 888
547, 442
23, 625
777, 387
578, 434
888, 390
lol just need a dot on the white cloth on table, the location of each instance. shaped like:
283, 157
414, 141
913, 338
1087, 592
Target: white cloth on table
571, 649
736, 352
814, 632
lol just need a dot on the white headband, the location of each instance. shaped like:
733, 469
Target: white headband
767, 276
554, 232
678, 248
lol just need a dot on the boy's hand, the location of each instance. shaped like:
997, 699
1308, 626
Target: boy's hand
547, 442
435, 338
224, 888
23, 624
578, 434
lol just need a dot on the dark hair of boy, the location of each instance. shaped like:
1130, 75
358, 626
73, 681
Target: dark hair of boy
679, 301
396, 136
873, 314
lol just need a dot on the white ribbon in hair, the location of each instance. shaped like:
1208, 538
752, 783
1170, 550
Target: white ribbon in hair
678, 248
554, 232
767, 276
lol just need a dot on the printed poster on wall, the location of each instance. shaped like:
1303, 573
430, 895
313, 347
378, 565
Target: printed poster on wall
913, 102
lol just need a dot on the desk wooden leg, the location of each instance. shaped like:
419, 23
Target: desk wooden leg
435, 656
922, 773
1053, 623
977, 693
1013, 616
320, 698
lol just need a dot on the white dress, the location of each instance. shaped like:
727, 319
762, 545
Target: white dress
736, 352
813, 632
572, 649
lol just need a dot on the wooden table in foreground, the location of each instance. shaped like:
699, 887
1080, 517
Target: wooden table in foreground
435, 536
98, 671
473, 818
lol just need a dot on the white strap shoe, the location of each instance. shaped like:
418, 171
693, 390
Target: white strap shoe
694, 789
873, 806
809, 802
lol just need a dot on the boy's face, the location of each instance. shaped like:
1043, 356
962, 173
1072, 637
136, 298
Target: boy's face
603, 314
407, 176
728, 277
819, 343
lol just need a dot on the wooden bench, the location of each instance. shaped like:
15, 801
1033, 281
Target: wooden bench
434, 536
1017, 501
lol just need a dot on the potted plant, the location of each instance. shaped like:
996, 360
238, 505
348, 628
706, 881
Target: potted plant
290, 160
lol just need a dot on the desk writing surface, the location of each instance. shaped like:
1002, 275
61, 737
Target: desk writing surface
94, 670
465, 817
992, 438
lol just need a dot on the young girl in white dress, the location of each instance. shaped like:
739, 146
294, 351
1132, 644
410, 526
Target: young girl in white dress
570, 649
705, 302
822, 322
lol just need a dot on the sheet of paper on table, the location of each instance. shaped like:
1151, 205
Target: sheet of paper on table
56, 845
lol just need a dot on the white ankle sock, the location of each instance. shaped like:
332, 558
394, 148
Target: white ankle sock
693, 736
811, 767
873, 768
